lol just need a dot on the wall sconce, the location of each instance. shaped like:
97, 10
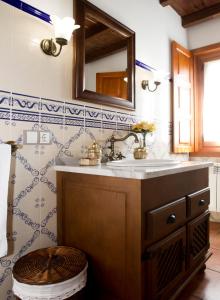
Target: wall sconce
63, 29
150, 83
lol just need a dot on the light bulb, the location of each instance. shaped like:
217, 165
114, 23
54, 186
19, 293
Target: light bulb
63, 28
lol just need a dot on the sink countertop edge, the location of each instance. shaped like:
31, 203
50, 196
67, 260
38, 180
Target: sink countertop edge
134, 172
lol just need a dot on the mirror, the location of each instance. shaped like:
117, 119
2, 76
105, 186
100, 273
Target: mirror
104, 58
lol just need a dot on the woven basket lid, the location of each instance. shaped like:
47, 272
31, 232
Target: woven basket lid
49, 265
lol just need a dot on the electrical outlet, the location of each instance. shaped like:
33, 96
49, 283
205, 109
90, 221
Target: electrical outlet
44, 137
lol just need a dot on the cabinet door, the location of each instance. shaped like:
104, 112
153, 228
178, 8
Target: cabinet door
198, 238
164, 265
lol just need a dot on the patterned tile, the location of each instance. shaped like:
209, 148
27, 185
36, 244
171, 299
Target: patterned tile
5, 100
93, 117
72, 110
32, 193
25, 103
109, 119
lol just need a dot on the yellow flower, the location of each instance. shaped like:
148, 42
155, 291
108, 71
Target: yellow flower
144, 126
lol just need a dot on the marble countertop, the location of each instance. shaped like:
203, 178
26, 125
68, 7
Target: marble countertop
134, 172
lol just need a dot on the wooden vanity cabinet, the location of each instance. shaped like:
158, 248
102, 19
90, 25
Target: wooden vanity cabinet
145, 239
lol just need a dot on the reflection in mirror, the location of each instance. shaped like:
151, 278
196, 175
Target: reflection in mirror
108, 75
104, 58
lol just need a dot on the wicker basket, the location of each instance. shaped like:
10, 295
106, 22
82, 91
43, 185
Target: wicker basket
50, 273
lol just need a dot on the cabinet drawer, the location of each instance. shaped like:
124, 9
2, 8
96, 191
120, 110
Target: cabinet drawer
198, 202
165, 219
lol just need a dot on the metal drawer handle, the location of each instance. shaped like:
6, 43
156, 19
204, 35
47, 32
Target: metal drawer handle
201, 202
171, 219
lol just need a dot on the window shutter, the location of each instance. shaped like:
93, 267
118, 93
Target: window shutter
182, 99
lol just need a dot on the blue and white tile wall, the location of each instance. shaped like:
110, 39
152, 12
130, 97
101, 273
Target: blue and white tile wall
27, 79
32, 194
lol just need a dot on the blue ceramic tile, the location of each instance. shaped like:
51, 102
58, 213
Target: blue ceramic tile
15, 3
143, 65
35, 12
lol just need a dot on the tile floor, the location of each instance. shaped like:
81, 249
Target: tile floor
206, 286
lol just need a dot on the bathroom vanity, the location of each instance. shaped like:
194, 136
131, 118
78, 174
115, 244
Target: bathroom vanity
145, 230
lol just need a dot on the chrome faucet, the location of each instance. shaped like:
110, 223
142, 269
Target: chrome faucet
117, 156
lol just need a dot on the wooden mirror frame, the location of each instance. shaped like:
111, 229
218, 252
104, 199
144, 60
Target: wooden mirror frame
79, 91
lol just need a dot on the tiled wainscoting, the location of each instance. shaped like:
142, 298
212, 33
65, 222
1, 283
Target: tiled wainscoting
32, 194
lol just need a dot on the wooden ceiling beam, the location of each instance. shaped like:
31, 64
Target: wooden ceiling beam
90, 32
165, 2
201, 15
105, 51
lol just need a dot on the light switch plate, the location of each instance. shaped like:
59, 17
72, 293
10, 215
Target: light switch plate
30, 137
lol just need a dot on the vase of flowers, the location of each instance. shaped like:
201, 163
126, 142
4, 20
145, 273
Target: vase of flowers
143, 128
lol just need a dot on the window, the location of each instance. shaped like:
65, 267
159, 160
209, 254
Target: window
211, 103
207, 104
196, 100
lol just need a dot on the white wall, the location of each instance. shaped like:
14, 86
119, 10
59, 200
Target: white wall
154, 25
61, 8
204, 34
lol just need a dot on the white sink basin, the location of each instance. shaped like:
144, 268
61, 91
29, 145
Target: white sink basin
143, 163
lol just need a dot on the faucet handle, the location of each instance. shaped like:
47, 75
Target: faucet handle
119, 156
110, 138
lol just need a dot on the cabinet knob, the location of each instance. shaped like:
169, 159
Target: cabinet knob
201, 202
171, 219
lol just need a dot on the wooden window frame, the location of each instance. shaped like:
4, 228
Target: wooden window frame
200, 56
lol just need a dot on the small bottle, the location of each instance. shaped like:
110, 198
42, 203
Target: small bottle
95, 151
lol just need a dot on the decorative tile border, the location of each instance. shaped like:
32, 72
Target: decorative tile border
20, 107
144, 66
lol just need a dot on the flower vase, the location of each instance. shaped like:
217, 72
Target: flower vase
141, 152
144, 139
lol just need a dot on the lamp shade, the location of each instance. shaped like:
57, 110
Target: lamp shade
63, 28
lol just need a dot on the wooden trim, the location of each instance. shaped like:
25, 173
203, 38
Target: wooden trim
206, 49
81, 8
205, 154
200, 56
201, 15
165, 2
181, 49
